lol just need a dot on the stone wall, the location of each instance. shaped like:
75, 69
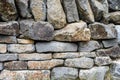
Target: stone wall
59, 39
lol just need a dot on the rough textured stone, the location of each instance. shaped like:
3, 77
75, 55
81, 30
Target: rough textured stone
45, 64
38, 8
3, 48
102, 61
64, 73
54, 46
88, 54
19, 48
109, 43
85, 10
1, 66
114, 4
117, 27
36, 30
8, 10
8, 39
9, 28
8, 57
15, 65
25, 41
23, 8
113, 52
55, 14
82, 62
96, 73
102, 31
66, 55
88, 46
100, 8
71, 10
25, 75
35, 56
73, 32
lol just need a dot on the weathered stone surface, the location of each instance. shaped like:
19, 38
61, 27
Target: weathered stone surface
55, 14
85, 10
3, 48
8, 57
66, 55
73, 32
113, 52
102, 61
88, 54
23, 7
55, 46
82, 62
96, 73
64, 73
102, 31
38, 8
19, 48
36, 30
25, 41
117, 27
8, 39
35, 56
9, 28
1, 66
8, 10
25, 75
45, 64
114, 4
15, 65
113, 17
109, 43
88, 46
100, 8
71, 10
115, 70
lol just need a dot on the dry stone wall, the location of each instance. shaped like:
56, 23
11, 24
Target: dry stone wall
59, 39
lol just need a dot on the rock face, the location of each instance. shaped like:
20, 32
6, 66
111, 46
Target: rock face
8, 39
9, 28
55, 46
117, 27
102, 31
55, 14
71, 10
38, 8
64, 73
88, 46
73, 32
85, 10
114, 5
36, 30
7, 10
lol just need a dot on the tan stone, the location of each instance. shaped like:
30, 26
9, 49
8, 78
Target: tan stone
45, 64
25, 41
3, 48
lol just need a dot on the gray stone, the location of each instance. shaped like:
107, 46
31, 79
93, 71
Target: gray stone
112, 52
117, 27
8, 10
8, 39
82, 62
73, 32
36, 30
55, 46
102, 31
20, 48
85, 11
23, 7
3, 48
8, 57
64, 73
95, 73
88, 46
109, 43
88, 54
100, 8
38, 9
114, 4
71, 10
1, 66
9, 28
55, 14
100, 61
